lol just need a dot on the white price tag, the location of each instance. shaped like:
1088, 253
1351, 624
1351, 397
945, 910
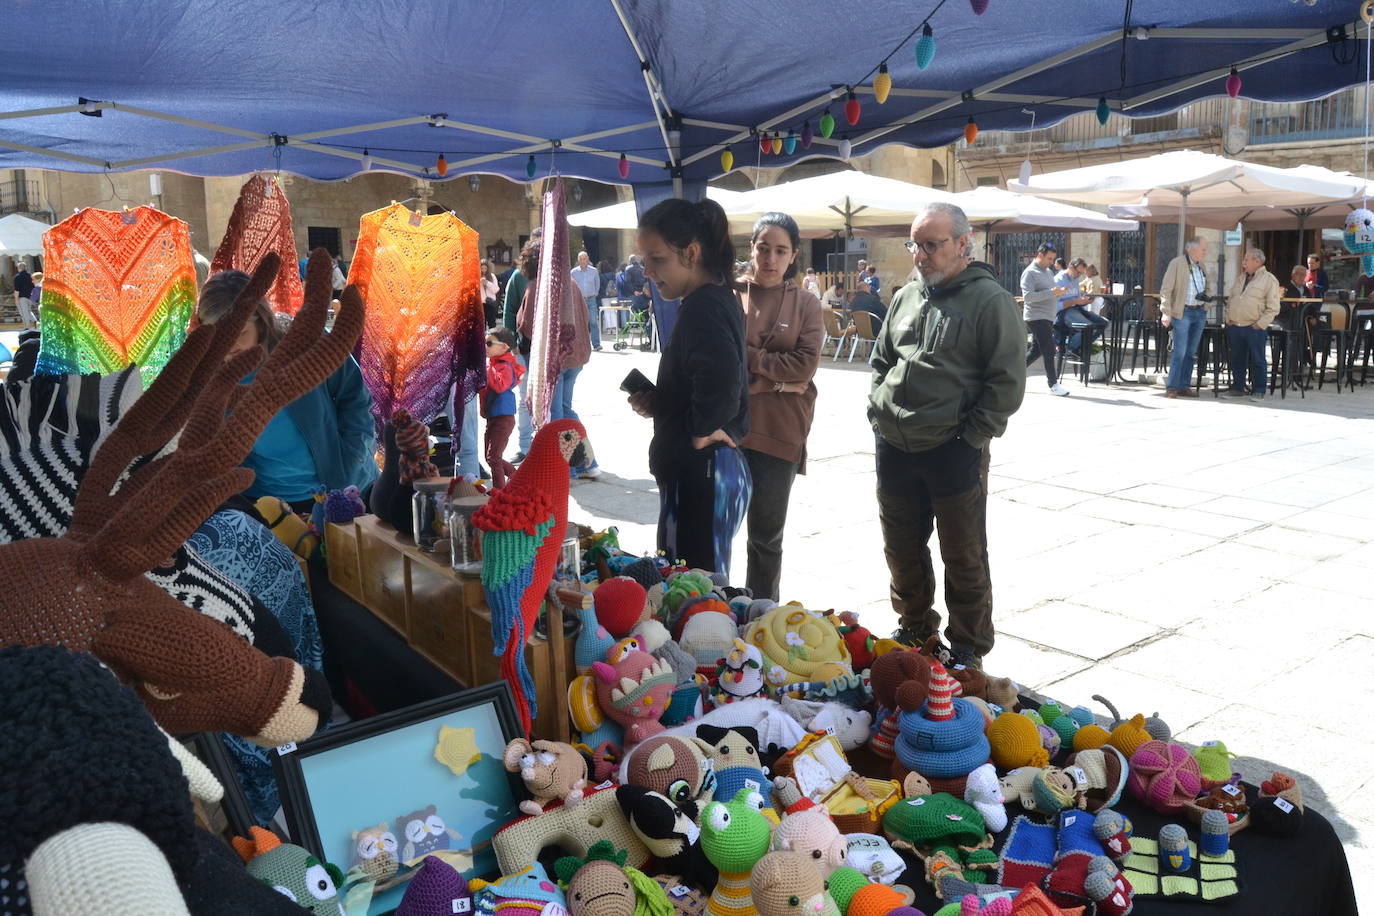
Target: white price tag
462, 905
1283, 805
1230, 790
1209, 744
605, 785
1079, 775
960, 667
679, 891
1069, 819
284, 749
752, 784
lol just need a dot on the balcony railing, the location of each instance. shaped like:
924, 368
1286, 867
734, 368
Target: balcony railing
1085, 132
1336, 117
19, 195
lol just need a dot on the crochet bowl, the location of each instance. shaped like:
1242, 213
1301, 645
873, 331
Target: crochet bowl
1164, 776
1195, 812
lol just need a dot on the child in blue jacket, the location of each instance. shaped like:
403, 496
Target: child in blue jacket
498, 401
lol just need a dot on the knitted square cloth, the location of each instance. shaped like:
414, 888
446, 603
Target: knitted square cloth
261, 222
425, 325
119, 289
1028, 854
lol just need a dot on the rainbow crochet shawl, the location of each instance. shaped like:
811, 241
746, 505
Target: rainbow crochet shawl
119, 289
261, 222
425, 326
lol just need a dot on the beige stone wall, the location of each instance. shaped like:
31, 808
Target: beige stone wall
182, 197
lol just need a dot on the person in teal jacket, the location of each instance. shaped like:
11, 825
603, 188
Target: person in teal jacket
323, 439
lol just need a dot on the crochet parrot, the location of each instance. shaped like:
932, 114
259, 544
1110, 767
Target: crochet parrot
522, 535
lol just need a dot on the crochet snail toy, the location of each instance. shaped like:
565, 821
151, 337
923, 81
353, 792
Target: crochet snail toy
796, 644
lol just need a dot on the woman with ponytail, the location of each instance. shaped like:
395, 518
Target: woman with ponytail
700, 404
783, 334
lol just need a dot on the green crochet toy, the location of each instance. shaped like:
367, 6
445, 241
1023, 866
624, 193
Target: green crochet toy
734, 836
947, 833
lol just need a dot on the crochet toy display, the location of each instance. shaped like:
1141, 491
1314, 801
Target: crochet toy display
119, 290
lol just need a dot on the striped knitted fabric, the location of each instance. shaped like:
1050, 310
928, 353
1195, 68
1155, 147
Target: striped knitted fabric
412, 437
882, 741
119, 289
50, 429
732, 896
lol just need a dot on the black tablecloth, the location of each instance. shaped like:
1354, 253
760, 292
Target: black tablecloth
369, 667
1304, 874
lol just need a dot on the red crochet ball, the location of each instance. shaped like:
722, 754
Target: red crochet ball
1164, 776
619, 604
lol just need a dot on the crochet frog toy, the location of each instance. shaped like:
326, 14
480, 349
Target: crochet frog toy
292, 872
634, 688
734, 836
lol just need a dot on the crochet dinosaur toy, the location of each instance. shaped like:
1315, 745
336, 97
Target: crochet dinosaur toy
523, 527
86, 590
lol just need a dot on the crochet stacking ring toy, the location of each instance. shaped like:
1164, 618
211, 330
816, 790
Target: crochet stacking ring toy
922, 734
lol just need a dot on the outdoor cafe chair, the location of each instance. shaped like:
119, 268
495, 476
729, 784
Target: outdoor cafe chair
835, 332
864, 333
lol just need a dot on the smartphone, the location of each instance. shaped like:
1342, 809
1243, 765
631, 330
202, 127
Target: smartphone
636, 382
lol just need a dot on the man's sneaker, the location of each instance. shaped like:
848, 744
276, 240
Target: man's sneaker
519, 457
909, 637
1233, 393
960, 655
1257, 395
1058, 390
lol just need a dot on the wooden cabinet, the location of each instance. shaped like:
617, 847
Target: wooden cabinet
443, 614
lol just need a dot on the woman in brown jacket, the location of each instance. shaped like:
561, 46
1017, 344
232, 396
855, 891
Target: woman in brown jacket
783, 334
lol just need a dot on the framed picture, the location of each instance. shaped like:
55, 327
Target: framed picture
500, 253
382, 793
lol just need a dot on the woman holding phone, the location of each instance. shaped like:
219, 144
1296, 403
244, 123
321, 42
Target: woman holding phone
700, 404
783, 334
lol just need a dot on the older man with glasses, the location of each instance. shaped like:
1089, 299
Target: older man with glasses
948, 372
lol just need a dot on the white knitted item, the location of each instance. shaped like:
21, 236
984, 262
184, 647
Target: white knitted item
774, 726
204, 785
102, 870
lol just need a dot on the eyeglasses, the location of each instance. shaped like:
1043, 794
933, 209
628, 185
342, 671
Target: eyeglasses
928, 247
491, 343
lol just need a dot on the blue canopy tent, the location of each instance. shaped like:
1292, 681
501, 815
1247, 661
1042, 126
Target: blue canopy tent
225, 87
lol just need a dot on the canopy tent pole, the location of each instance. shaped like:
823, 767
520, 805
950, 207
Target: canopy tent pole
1183, 217
647, 72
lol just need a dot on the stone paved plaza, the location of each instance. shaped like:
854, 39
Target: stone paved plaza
1207, 559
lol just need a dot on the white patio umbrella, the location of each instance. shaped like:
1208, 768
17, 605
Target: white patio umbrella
20, 235
996, 210
838, 202
624, 216
1191, 181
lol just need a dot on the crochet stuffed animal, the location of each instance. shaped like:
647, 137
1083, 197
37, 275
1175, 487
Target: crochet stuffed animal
739, 675
873, 857
851, 727
790, 884
621, 603
813, 834
633, 689
949, 834
677, 767
522, 536
86, 590
669, 833
572, 828
603, 885
375, 853
425, 832
551, 771
900, 681
734, 836
292, 872
734, 753
984, 793
528, 891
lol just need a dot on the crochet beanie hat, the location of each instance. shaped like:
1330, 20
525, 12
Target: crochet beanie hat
874, 899
435, 890
619, 604
1164, 776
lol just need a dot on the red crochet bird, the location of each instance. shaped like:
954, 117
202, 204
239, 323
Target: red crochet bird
523, 529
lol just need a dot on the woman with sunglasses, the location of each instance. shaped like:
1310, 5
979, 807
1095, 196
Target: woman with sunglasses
700, 405
783, 333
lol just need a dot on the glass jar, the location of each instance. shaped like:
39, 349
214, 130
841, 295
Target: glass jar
464, 540
429, 507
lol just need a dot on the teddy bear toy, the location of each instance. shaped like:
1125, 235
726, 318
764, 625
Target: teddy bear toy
813, 834
790, 884
551, 771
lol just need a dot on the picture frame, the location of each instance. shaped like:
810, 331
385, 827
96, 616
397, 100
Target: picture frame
500, 253
440, 760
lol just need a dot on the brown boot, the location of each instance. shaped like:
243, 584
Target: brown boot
1171, 392
1187, 393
